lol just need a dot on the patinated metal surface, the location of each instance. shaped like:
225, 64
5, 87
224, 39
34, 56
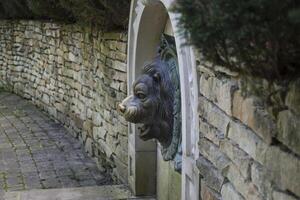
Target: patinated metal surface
156, 102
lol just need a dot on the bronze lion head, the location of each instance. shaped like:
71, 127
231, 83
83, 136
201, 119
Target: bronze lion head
151, 103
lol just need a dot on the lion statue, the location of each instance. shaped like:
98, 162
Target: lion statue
152, 103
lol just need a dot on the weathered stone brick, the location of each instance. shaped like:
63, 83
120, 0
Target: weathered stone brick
238, 157
99, 133
293, 97
212, 177
112, 36
288, 130
242, 185
213, 154
119, 66
282, 196
261, 178
208, 194
88, 127
212, 114
248, 141
218, 91
250, 112
284, 169
122, 47
229, 193
210, 132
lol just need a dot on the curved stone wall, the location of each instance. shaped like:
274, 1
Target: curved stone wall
249, 140
75, 75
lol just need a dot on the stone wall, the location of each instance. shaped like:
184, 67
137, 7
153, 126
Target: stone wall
249, 137
75, 75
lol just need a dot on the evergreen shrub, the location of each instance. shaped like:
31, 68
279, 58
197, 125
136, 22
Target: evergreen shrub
106, 14
260, 38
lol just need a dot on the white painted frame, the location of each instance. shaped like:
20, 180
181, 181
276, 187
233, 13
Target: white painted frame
144, 34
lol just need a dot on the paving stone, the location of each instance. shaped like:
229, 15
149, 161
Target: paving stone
93, 192
38, 153
47, 174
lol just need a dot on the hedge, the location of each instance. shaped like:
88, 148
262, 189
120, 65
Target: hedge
259, 38
107, 14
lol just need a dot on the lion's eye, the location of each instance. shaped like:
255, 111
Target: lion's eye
141, 95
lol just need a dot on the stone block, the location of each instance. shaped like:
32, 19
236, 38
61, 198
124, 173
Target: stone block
119, 66
205, 71
210, 132
208, 194
212, 114
122, 47
242, 185
212, 177
218, 91
72, 57
99, 133
112, 36
105, 148
61, 106
229, 193
46, 99
289, 130
77, 120
89, 146
293, 97
119, 76
283, 196
121, 154
112, 45
250, 112
88, 127
237, 156
213, 154
97, 119
247, 140
68, 72
261, 178
121, 170
284, 169
121, 56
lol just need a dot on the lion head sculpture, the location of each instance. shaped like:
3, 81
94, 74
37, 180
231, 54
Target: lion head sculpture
151, 103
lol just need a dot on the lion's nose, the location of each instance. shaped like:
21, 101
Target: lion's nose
121, 108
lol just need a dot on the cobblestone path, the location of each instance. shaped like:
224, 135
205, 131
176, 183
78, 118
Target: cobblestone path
38, 153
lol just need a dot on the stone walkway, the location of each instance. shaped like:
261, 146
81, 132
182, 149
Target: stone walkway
38, 153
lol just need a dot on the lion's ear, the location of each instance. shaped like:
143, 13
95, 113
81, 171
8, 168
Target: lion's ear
156, 76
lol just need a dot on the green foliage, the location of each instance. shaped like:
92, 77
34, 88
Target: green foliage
107, 14
14, 9
260, 38
51, 9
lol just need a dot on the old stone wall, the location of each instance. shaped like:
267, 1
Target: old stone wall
77, 76
249, 137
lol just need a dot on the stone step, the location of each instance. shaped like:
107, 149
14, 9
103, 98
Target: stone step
107, 192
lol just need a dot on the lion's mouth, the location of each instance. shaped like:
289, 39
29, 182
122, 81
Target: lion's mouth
131, 114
